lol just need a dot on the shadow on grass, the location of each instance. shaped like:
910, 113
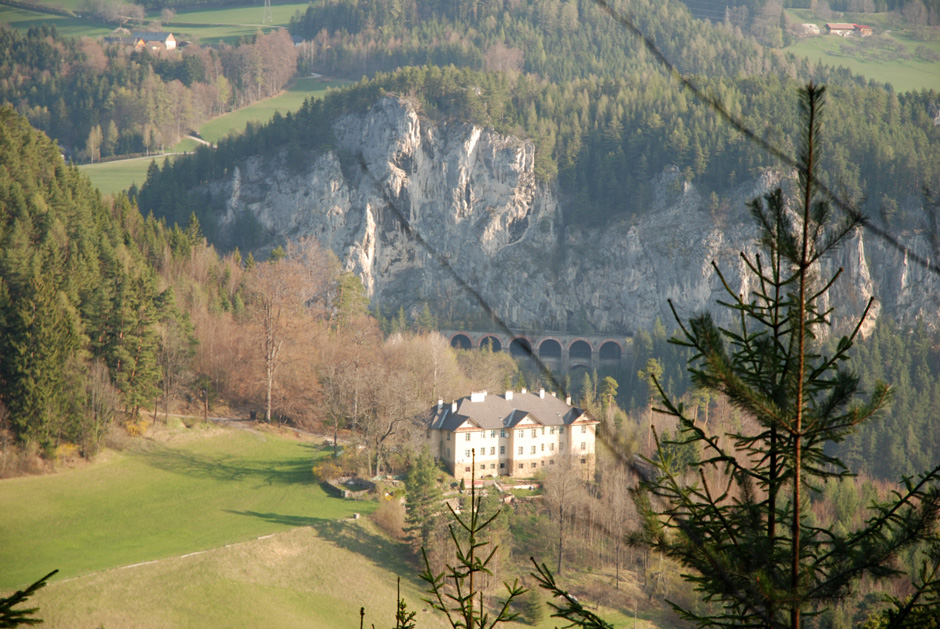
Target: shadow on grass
384, 552
280, 518
348, 535
280, 471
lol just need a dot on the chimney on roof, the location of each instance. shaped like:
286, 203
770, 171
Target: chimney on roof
440, 403
477, 396
453, 406
542, 394
508, 395
568, 399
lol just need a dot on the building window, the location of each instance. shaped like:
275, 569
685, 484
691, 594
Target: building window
551, 447
583, 446
492, 434
502, 465
466, 469
429, 434
448, 436
492, 466
543, 447
520, 449
467, 453
502, 434
542, 463
583, 429
448, 453
561, 430
520, 466
520, 433
492, 450
533, 433
532, 464
533, 449
467, 437
583, 461
543, 430
551, 462
551, 430
502, 449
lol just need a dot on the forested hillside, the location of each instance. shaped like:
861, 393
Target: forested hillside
75, 295
100, 101
603, 141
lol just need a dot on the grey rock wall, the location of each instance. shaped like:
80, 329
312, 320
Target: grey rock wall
422, 211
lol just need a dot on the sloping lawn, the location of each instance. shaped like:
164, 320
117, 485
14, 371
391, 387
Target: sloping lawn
158, 501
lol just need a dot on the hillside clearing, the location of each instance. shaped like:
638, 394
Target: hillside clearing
161, 500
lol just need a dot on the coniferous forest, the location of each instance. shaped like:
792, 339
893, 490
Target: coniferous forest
116, 312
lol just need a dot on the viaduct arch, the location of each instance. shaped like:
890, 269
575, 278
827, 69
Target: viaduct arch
556, 350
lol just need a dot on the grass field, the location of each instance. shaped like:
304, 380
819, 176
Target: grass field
73, 27
890, 56
317, 576
228, 24
209, 527
291, 100
161, 500
204, 25
113, 177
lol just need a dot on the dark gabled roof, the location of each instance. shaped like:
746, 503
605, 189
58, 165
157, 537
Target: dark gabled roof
494, 412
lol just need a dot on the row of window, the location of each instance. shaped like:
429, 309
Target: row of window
521, 450
519, 433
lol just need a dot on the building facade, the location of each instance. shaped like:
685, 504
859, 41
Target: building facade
516, 435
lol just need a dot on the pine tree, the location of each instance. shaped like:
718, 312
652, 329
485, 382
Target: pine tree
422, 500
738, 524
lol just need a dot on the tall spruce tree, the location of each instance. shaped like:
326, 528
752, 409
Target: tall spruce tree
738, 523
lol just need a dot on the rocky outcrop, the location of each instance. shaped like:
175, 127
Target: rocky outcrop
451, 215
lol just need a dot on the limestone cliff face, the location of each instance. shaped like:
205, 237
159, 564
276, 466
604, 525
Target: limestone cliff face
451, 214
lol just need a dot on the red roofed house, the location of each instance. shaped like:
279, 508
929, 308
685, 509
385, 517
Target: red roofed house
518, 434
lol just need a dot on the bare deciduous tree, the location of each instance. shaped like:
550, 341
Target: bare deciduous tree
283, 298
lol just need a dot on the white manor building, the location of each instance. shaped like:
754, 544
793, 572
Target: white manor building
517, 434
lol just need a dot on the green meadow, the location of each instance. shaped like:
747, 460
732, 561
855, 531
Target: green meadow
262, 111
73, 27
160, 500
889, 56
113, 177
202, 25
207, 527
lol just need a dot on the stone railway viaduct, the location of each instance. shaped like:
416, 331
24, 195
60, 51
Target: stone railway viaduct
557, 351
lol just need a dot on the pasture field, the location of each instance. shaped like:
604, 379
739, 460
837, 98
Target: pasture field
113, 177
200, 25
889, 56
228, 23
21, 19
158, 500
207, 527
290, 100
311, 576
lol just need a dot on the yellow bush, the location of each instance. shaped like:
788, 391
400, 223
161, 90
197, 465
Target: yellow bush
136, 428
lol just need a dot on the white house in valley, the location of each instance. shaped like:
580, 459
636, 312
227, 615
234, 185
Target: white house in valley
516, 434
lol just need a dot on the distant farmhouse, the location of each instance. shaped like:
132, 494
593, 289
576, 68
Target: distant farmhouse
809, 29
144, 39
848, 30
516, 434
